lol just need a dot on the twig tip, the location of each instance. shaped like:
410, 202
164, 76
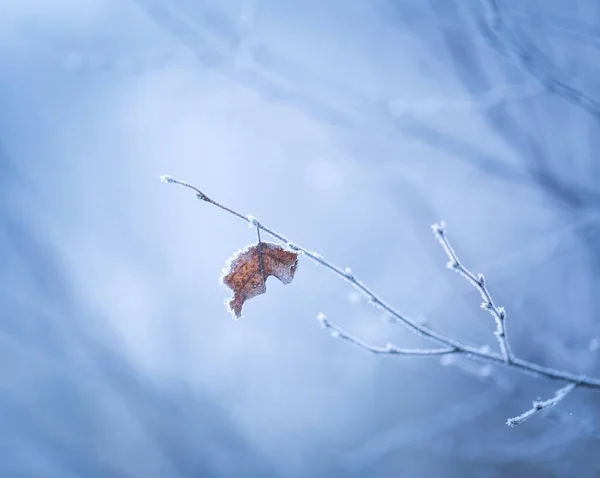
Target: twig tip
439, 228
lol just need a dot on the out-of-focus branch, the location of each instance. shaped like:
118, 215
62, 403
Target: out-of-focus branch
517, 47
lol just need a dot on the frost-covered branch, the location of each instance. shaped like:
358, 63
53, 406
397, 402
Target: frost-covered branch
538, 406
449, 345
389, 349
478, 282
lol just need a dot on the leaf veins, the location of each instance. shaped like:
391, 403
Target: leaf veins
247, 271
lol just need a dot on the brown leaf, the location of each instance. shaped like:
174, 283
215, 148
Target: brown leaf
247, 270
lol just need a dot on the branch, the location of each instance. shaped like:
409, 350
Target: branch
539, 406
448, 344
478, 282
500, 27
389, 349
346, 274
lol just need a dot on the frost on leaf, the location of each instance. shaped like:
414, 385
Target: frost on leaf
247, 270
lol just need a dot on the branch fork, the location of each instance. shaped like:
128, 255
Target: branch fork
446, 346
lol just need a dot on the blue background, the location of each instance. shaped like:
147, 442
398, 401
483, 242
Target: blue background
349, 127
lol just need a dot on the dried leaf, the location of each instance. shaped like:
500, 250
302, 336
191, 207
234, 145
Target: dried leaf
247, 270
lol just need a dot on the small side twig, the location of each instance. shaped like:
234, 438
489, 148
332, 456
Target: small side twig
498, 313
389, 349
538, 406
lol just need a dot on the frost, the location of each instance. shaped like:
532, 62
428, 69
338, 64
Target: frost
293, 246
439, 228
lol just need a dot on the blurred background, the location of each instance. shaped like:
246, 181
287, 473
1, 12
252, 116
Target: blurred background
349, 127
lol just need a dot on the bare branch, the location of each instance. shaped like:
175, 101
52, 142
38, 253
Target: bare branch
538, 406
478, 282
449, 345
389, 349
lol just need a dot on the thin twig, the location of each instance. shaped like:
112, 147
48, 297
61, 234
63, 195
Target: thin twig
539, 406
389, 349
347, 275
468, 351
478, 282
